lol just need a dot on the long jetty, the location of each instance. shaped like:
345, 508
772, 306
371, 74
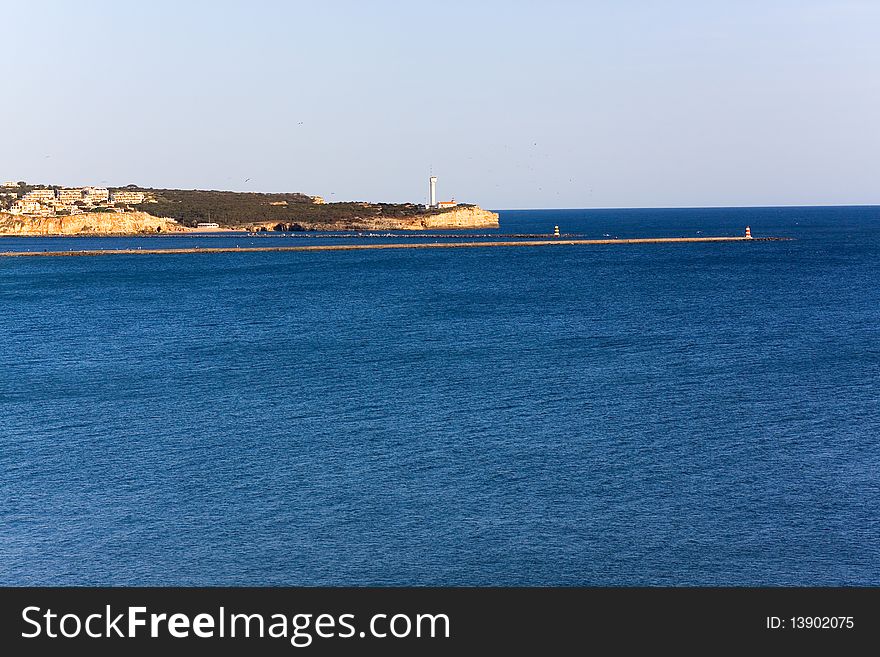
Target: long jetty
366, 247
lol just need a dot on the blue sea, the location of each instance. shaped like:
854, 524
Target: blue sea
657, 414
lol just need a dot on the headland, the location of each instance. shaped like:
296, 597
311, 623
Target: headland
41, 210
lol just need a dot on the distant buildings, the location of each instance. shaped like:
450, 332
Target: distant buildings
67, 200
40, 195
317, 200
68, 196
25, 206
127, 197
95, 195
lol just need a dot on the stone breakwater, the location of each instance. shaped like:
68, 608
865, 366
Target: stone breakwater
88, 223
366, 247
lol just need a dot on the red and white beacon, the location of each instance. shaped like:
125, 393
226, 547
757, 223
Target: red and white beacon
748, 233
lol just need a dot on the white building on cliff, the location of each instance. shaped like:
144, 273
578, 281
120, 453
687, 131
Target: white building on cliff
433, 203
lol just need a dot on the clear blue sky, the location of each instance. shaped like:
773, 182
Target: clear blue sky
513, 104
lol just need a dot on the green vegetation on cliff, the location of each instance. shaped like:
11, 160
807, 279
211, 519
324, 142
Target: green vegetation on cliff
190, 207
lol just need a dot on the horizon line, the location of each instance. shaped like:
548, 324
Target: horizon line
698, 207
519, 209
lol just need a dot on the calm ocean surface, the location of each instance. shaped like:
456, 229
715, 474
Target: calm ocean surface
591, 415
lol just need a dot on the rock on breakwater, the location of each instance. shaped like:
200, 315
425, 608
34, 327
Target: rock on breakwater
369, 247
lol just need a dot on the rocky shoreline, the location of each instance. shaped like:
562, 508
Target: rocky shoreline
142, 223
467, 217
87, 223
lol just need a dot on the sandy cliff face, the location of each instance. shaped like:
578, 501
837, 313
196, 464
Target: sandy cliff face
90, 223
467, 217
463, 217
132, 223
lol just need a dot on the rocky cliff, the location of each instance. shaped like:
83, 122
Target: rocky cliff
469, 216
134, 223
89, 223
463, 217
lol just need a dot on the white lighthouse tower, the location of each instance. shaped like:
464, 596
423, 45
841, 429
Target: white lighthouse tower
432, 192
